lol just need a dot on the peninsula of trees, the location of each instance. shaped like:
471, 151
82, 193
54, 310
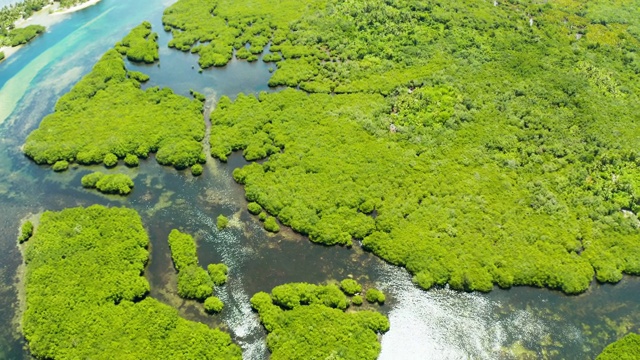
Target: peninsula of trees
106, 116
475, 145
86, 296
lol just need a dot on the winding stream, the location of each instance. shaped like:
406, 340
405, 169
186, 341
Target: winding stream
517, 323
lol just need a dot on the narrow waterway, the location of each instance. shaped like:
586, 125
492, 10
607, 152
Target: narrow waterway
439, 324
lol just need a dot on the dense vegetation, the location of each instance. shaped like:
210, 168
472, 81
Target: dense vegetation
140, 45
195, 282
473, 144
106, 117
120, 184
307, 321
21, 36
627, 348
26, 231
86, 296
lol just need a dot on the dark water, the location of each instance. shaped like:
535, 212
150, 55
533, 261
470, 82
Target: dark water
441, 324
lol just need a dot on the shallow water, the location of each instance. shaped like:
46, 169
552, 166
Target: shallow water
442, 324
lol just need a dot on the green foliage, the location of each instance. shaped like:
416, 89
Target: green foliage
21, 36
2, 55
627, 348
198, 96
350, 286
131, 160
196, 170
25, 232
183, 250
222, 222
110, 160
254, 208
263, 216
308, 321
107, 113
108, 183
375, 296
140, 45
213, 305
138, 76
218, 273
271, 57
61, 165
356, 300
84, 271
271, 225
194, 283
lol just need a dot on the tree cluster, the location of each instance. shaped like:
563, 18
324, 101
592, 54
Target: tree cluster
140, 45
195, 282
307, 321
86, 296
120, 184
627, 348
106, 117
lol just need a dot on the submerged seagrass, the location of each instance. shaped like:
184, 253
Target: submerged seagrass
86, 296
480, 145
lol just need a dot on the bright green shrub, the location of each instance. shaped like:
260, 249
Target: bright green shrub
291, 308
84, 268
271, 225
263, 216
108, 183
194, 283
183, 250
196, 170
2, 56
627, 348
350, 286
222, 222
110, 160
218, 273
272, 57
375, 296
138, 76
198, 96
25, 232
356, 300
131, 160
254, 208
61, 165
213, 305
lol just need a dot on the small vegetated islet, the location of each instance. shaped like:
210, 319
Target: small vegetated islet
120, 184
308, 321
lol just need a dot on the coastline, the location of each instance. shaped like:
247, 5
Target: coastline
46, 16
75, 8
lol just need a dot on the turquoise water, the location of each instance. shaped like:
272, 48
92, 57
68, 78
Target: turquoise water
424, 324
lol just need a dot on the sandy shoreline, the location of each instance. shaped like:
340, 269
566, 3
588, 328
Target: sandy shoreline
44, 17
75, 8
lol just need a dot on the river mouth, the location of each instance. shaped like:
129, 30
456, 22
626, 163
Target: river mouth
440, 323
